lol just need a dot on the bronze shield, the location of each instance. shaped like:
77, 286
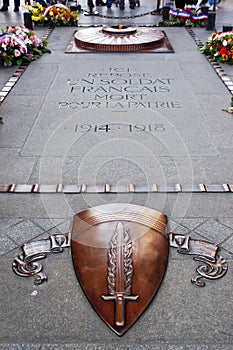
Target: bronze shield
120, 254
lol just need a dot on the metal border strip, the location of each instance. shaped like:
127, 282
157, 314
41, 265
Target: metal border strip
112, 188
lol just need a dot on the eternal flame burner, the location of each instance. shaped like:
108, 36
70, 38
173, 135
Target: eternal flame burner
120, 29
121, 38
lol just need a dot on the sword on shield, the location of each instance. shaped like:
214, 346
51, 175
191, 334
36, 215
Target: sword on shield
120, 273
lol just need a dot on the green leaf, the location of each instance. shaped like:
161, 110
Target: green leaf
19, 61
27, 59
45, 50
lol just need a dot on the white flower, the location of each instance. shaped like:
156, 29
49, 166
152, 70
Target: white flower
224, 42
17, 53
27, 41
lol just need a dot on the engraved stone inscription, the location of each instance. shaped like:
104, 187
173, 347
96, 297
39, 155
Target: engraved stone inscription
120, 88
115, 127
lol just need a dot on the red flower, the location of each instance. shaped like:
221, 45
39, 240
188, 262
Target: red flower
68, 16
223, 51
55, 11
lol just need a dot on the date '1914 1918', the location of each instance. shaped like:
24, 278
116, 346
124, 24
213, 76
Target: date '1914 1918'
115, 127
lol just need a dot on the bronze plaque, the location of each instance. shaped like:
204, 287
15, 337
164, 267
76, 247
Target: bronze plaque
120, 254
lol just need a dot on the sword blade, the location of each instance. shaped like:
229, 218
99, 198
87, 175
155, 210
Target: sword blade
119, 295
120, 279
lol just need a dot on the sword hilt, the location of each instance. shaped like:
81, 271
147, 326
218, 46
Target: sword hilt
120, 310
120, 299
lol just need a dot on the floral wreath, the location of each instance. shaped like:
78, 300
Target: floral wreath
185, 17
220, 47
57, 14
19, 44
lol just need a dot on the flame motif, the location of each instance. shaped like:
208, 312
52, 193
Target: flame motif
127, 261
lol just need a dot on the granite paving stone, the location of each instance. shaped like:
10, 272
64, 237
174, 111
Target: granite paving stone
6, 75
188, 205
215, 230
6, 244
220, 347
228, 244
227, 221
43, 205
99, 170
69, 317
47, 74
177, 228
16, 169
139, 170
186, 347
62, 227
114, 346
223, 172
59, 225
190, 223
18, 121
191, 205
23, 231
6, 223
20, 347
58, 42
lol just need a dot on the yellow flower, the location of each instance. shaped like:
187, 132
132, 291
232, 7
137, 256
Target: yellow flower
35, 18
74, 14
34, 12
39, 6
225, 57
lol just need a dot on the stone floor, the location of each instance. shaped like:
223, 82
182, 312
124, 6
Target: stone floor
175, 134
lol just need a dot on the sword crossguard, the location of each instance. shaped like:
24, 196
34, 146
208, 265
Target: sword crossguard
120, 299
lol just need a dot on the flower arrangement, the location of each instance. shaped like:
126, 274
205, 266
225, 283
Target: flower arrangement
57, 14
220, 47
187, 17
229, 109
19, 45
